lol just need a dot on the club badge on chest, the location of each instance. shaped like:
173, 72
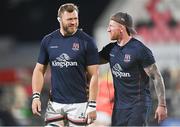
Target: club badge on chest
75, 46
127, 58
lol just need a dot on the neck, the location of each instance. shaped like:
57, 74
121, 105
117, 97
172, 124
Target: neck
64, 33
124, 40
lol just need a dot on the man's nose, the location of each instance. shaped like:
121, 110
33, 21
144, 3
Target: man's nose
108, 29
73, 21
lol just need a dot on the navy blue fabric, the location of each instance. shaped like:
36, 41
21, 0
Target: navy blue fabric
127, 64
135, 116
68, 58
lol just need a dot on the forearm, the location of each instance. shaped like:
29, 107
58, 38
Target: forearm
160, 89
38, 79
155, 74
93, 87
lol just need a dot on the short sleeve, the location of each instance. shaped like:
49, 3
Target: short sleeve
43, 54
104, 53
92, 56
146, 57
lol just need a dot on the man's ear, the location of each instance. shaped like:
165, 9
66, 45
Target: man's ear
58, 19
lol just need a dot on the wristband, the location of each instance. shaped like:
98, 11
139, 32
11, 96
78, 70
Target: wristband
91, 107
92, 104
36, 95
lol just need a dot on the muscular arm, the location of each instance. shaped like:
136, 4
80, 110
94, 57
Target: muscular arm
93, 87
38, 77
155, 74
93, 90
37, 85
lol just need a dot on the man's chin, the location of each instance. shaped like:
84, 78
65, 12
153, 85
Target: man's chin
113, 40
72, 31
69, 33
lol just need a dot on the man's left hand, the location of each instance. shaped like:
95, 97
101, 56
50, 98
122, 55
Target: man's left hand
161, 113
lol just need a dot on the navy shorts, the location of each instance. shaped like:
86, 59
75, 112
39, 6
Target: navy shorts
135, 116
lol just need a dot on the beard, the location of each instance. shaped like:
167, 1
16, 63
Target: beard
69, 29
114, 36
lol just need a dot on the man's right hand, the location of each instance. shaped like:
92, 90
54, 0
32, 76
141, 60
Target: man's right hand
36, 106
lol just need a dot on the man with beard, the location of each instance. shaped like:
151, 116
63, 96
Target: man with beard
72, 54
132, 65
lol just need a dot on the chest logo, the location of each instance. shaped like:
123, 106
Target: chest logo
75, 46
117, 71
64, 61
117, 67
127, 58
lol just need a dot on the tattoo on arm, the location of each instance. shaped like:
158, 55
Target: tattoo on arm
153, 72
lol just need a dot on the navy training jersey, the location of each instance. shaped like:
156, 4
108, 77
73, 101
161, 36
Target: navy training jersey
68, 58
127, 64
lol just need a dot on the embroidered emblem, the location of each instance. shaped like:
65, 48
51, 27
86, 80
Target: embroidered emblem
127, 58
75, 46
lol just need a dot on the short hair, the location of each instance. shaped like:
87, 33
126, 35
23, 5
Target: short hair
69, 7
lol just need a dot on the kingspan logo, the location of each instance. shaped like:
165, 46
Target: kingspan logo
63, 61
117, 71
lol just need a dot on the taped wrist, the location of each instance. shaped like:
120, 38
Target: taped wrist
92, 104
91, 107
36, 96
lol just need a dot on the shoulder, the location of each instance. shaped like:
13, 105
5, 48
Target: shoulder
48, 37
110, 45
143, 52
51, 35
84, 36
107, 48
138, 45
